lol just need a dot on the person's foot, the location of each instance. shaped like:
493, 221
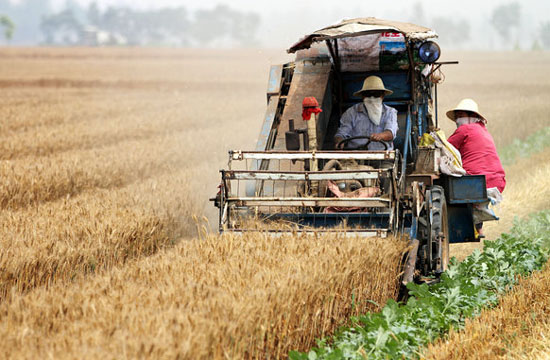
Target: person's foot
479, 232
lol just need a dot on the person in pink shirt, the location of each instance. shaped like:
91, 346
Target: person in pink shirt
476, 145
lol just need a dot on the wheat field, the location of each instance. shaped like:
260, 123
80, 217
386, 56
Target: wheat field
214, 298
108, 158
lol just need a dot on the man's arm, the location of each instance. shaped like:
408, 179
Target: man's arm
345, 128
389, 130
385, 135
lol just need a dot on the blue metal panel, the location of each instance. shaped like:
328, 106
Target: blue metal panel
461, 223
421, 119
263, 138
267, 124
395, 81
414, 227
466, 189
407, 143
364, 221
275, 80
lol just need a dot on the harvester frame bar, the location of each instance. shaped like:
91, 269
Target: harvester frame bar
311, 155
303, 175
310, 201
348, 233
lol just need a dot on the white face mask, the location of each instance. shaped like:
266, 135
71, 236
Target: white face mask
374, 108
467, 120
462, 120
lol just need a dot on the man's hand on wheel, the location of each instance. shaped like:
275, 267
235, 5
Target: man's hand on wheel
338, 144
385, 135
376, 137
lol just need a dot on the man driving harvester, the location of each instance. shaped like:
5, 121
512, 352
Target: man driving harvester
372, 122
369, 118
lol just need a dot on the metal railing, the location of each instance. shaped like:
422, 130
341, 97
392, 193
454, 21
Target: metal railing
280, 182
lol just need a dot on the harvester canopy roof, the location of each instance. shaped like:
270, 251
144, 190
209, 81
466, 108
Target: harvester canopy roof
364, 26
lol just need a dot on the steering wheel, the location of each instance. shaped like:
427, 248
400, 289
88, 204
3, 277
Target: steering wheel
363, 147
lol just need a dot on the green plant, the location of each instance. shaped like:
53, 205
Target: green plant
534, 143
8, 25
399, 330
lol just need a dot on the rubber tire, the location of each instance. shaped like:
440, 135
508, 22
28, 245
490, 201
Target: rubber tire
440, 223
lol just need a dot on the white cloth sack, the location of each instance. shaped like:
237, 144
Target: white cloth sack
482, 212
450, 160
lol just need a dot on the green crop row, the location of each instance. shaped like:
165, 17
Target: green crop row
534, 143
400, 330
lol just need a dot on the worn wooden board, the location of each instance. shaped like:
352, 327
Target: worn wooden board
309, 79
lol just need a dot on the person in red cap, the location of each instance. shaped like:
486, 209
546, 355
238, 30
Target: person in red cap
310, 106
476, 146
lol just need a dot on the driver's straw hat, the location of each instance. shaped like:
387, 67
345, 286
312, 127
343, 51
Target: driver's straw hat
373, 83
464, 105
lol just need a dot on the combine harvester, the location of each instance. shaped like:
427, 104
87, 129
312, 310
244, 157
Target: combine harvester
296, 180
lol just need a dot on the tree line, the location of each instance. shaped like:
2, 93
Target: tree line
505, 20
8, 25
122, 25
32, 22
163, 26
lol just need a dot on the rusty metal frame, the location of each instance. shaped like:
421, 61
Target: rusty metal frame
349, 233
257, 202
303, 175
310, 201
239, 155
412, 72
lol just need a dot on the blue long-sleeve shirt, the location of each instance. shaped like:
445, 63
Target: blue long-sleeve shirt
356, 122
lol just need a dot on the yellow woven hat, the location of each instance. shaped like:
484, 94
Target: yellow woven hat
465, 105
373, 83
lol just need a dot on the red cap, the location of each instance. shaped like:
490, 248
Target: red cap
310, 102
310, 106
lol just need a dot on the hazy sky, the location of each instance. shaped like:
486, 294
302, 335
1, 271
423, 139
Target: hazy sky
462, 7
284, 21
534, 8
